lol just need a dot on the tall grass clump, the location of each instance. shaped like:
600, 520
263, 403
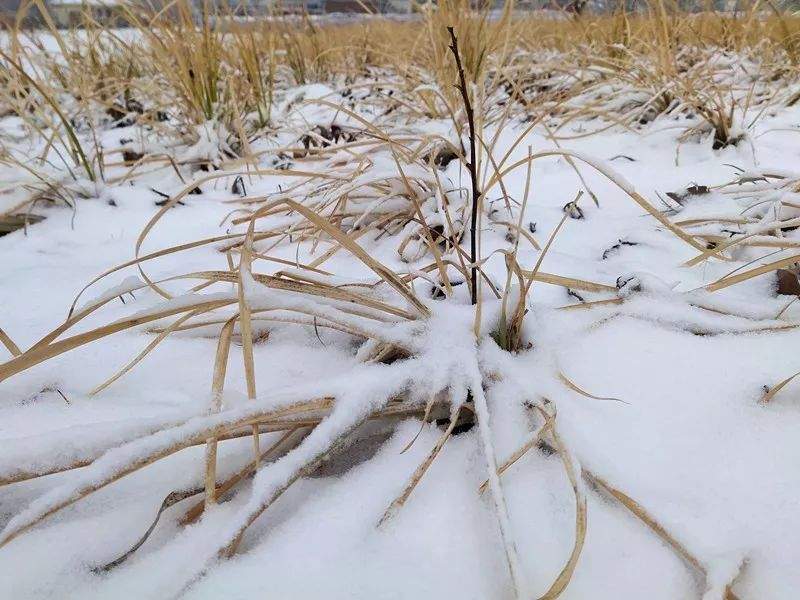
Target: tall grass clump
379, 131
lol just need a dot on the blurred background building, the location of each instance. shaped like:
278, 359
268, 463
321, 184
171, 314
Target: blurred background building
68, 13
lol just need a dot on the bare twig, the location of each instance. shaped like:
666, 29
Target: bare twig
471, 166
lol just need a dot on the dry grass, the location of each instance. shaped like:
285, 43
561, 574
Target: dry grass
620, 70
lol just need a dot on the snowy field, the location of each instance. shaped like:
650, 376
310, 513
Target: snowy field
643, 364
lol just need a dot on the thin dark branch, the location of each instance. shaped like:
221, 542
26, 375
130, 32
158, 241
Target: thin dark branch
471, 166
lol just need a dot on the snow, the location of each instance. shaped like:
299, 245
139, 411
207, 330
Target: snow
130, 284
690, 442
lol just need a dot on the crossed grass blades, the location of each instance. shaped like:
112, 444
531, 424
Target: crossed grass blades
369, 180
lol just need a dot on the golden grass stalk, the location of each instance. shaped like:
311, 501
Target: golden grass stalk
643, 515
217, 386
419, 472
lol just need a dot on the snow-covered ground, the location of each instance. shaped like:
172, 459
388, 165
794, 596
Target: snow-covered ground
684, 435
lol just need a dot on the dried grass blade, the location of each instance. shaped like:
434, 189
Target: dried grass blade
570, 282
160, 338
217, 385
770, 394
419, 472
639, 512
383, 272
565, 576
308, 467
517, 454
617, 180
247, 333
9, 344
39, 354
164, 448
575, 388
289, 440
761, 270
